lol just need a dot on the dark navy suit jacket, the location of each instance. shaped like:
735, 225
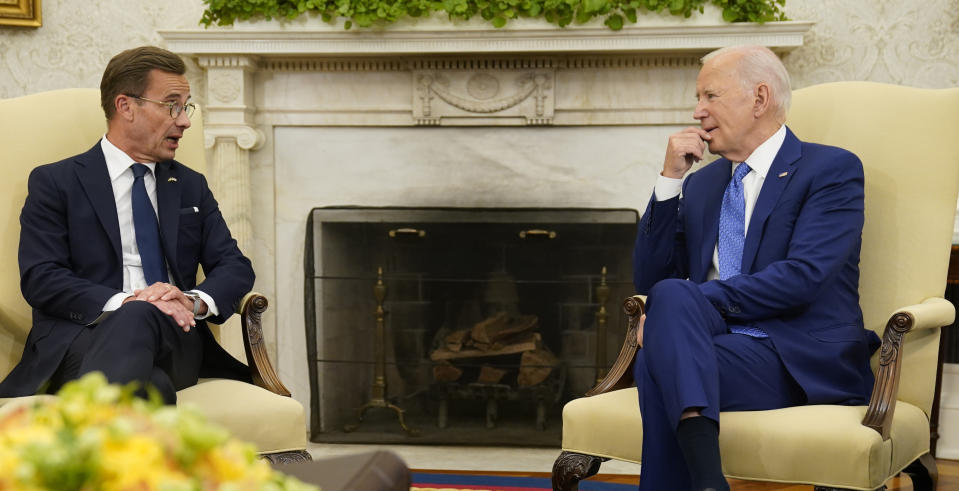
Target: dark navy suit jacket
70, 258
800, 262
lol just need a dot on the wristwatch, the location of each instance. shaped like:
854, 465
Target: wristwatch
196, 302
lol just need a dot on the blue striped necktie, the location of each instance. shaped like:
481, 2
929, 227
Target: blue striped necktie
147, 229
732, 236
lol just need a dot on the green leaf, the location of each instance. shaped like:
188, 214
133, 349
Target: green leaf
591, 6
498, 21
730, 14
614, 22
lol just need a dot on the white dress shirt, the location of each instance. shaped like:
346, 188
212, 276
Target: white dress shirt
121, 178
759, 161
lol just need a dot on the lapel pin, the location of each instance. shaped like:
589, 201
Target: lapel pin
784, 174
173, 179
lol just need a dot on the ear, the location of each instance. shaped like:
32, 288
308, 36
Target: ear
761, 103
123, 105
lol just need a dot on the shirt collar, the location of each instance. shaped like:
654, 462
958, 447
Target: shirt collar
118, 161
762, 157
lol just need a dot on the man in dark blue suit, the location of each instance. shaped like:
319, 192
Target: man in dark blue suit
751, 266
111, 243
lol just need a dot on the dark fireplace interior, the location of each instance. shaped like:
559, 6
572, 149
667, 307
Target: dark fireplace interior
476, 325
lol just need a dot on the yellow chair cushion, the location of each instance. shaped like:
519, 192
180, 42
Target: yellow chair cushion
606, 425
829, 442
782, 445
280, 421
274, 423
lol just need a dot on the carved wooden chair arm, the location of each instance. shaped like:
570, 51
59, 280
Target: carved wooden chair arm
931, 313
261, 370
620, 376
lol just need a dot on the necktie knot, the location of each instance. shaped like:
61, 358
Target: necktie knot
741, 171
139, 170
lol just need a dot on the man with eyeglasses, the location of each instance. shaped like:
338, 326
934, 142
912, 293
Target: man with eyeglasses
111, 243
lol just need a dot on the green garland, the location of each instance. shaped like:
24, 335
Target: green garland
366, 13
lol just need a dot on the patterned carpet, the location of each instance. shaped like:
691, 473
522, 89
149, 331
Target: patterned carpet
462, 482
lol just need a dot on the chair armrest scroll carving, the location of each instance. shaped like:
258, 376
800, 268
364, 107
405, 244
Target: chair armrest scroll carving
932, 313
261, 370
620, 376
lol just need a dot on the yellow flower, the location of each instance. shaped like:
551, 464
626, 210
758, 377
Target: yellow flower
98, 436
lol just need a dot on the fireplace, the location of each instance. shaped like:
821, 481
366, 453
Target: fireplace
489, 319
429, 113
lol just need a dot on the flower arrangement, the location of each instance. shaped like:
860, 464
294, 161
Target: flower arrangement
97, 436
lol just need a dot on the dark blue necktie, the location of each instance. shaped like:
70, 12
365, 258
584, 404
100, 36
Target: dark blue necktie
732, 236
147, 229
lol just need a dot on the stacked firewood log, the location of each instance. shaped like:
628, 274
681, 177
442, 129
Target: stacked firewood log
492, 344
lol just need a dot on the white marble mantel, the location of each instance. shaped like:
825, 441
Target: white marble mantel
431, 113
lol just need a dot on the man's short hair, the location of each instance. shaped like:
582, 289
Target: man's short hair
129, 73
759, 64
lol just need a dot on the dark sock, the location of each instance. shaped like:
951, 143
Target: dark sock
699, 441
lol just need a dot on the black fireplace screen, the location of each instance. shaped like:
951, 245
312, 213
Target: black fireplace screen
455, 325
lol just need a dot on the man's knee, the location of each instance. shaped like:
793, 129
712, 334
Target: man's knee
134, 313
674, 290
136, 308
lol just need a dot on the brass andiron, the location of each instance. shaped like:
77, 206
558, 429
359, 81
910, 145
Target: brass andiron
602, 295
378, 391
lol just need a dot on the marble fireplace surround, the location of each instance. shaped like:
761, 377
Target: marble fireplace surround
304, 114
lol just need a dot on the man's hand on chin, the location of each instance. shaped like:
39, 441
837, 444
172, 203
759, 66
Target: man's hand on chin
683, 150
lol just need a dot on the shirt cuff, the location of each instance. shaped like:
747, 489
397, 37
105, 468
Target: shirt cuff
211, 310
667, 187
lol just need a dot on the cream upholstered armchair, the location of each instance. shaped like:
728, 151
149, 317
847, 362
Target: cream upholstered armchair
49, 126
906, 140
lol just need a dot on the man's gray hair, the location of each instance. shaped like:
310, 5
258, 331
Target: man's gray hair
758, 64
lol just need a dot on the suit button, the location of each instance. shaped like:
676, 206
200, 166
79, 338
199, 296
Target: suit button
74, 316
734, 309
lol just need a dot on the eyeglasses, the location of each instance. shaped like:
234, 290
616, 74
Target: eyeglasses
175, 109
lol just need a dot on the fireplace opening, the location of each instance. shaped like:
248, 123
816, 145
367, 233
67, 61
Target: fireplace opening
460, 325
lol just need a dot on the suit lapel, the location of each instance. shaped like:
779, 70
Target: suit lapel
91, 170
780, 172
168, 209
715, 187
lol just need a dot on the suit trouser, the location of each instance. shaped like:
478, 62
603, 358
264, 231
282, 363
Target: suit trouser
690, 360
137, 343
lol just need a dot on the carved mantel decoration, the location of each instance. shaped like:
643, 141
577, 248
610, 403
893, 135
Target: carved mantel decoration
472, 95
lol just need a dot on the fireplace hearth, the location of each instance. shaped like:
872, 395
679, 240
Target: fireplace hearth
459, 325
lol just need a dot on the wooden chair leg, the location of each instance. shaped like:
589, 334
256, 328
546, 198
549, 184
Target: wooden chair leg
923, 473
571, 468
